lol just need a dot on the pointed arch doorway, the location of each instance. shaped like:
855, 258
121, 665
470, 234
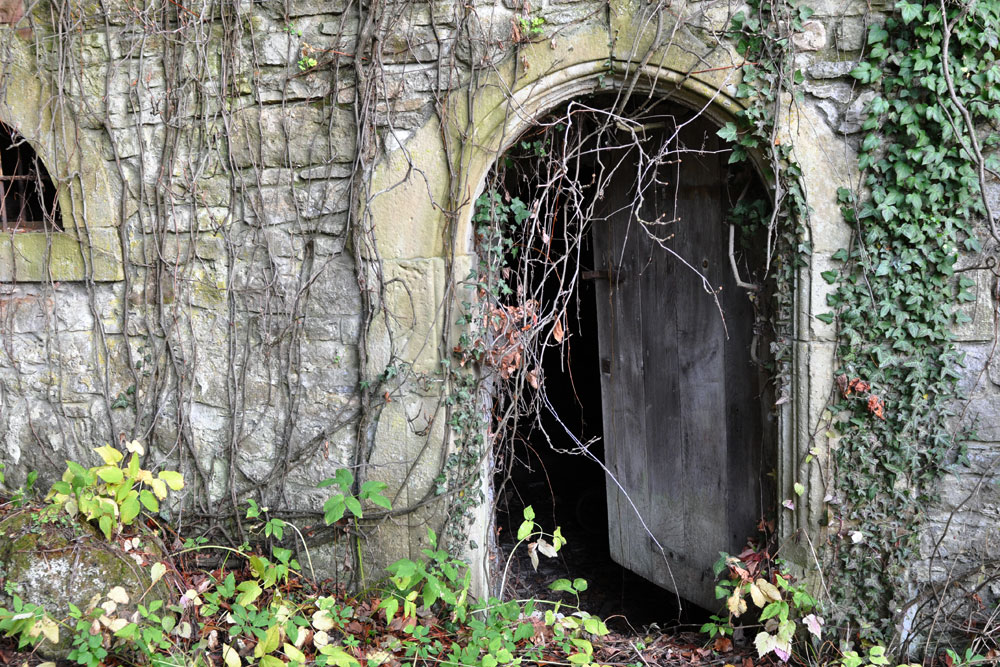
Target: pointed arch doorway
671, 390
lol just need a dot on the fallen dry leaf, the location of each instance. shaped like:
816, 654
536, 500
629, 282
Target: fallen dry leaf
737, 605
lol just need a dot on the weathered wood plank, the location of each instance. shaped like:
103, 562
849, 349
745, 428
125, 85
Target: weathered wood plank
620, 347
680, 402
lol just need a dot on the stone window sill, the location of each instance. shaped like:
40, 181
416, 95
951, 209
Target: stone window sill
61, 256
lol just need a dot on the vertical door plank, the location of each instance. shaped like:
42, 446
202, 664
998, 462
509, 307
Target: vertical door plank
664, 455
700, 339
620, 324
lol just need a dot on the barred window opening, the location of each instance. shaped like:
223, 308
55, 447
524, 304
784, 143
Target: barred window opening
27, 195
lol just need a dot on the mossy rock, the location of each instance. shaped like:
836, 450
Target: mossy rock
55, 562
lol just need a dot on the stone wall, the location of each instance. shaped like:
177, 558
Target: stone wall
242, 261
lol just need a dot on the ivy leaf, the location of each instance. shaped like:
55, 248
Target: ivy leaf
909, 11
825, 317
877, 34
728, 132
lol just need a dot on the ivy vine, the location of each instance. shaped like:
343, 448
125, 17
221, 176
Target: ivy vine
899, 292
762, 35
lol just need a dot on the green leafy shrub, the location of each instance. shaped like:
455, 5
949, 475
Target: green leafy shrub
113, 494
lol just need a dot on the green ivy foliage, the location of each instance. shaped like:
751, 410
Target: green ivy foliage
762, 33
898, 295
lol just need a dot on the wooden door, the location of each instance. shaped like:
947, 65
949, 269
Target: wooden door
681, 401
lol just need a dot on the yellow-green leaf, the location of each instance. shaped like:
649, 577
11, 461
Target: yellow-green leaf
230, 655
271, 641
130, 508
159, 488
769, 590
133, 466
757, 596
737, 605
111, 474
149, 501
293, 654
249, 591
156, 572
525, 529
49, 629
106, 524
110, 455
173, 479
338, 656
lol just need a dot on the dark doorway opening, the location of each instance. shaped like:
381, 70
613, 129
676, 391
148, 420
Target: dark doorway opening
566, 488
554, 458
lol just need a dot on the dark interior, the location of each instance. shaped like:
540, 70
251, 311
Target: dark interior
27, 195
568, 490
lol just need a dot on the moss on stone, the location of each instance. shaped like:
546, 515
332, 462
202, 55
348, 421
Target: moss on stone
53, 561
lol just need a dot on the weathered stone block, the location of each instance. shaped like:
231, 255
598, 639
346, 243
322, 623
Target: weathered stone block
296, 136
812, 37
851, 34
857, 113
830, 69
55, 566
37, 256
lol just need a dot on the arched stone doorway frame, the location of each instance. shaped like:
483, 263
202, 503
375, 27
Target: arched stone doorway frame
504, 106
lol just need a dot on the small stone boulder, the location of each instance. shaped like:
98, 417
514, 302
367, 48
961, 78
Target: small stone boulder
53, 561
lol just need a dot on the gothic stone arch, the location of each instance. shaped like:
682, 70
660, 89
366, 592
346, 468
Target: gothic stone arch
418, 244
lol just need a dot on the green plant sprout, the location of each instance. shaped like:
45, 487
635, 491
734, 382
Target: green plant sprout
531, 26
529, 532
337, 505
